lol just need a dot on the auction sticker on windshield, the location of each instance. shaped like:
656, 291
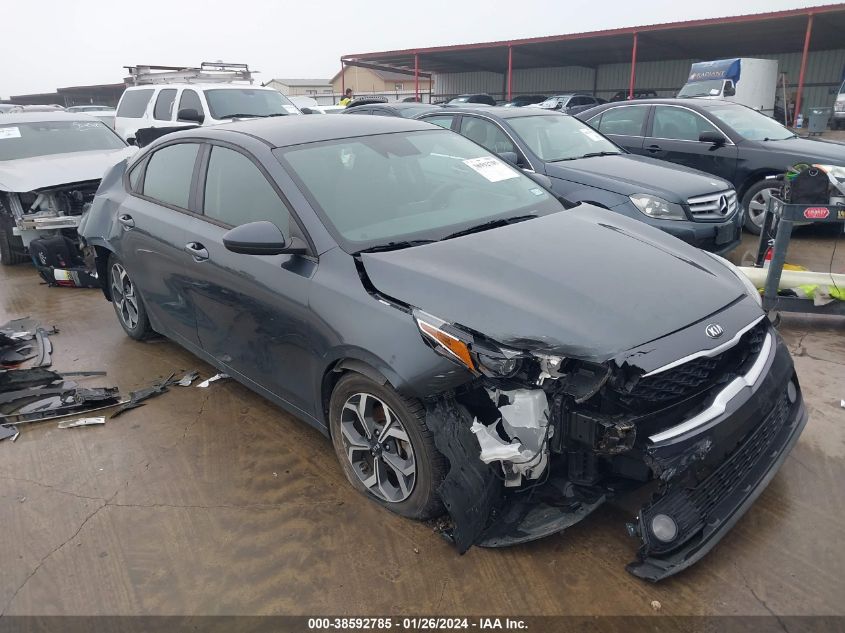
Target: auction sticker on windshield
10, 132
492, 169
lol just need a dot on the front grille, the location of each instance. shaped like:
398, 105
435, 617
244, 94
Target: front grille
696, 375
716, 206
690, 507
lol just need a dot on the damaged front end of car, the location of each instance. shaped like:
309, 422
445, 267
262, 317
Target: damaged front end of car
538, 439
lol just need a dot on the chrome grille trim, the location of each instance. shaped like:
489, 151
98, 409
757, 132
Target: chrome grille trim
710, 207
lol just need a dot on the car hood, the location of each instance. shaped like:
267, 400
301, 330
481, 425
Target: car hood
627, 174
586, 283
30, 174
809, 150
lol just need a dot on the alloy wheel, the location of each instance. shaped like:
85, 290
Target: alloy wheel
757, 206
123, 296
378, 447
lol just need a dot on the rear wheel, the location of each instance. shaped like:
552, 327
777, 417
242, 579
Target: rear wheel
385, 448
127, 303
754, 202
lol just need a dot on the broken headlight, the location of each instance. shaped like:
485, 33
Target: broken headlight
658, 208
479, 358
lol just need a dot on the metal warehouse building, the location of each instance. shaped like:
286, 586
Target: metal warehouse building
809, 45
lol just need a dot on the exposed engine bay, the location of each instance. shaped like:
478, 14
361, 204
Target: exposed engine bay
43, 226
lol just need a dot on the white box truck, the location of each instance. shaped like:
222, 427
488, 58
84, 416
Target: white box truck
751, 82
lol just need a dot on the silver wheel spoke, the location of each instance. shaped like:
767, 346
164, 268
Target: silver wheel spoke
377, 447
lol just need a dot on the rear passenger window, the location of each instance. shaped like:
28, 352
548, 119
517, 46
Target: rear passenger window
624, 121
236, 192
135, 177
442, 121
133, 104
190, 99
169, 174
164, 105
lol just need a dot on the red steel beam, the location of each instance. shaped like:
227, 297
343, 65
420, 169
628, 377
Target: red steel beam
510, 71
417, 76
803, 67
633, 67
630, 30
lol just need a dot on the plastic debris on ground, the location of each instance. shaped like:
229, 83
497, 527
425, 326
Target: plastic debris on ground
69, 424
214, 378
137, 398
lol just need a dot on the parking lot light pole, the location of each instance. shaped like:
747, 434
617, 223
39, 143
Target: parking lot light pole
803, 68
510, 71
633, 67
417, 76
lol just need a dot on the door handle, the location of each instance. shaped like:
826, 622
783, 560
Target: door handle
654, 149
126, 221
197, 251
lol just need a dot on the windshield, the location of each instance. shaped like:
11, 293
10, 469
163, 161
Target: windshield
224, 103
43, 138
709, 88
561, 137
751, 124
409, 186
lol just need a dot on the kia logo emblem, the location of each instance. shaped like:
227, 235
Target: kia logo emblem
723, 205
714, 330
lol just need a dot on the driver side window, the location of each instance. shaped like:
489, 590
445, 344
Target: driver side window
487, 134
679, 124
236, 192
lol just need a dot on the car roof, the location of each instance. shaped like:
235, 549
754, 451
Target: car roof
201, 86
295, 130
502, 113
38, 117
689, 101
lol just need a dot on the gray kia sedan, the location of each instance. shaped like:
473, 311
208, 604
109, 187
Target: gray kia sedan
470, 345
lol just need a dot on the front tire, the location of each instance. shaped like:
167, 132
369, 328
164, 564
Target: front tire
385, 448
127, 302
754, 203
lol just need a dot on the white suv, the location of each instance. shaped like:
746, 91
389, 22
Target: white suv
178, 104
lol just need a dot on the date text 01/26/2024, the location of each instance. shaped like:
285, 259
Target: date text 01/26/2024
414, 624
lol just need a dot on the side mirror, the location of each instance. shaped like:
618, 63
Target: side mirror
306, 110
509, 157
190, 114
132, 141
558, 105
729, 89
712, 137
261, 238
541, 179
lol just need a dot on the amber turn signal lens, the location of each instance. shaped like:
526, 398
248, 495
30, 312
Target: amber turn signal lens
454, 346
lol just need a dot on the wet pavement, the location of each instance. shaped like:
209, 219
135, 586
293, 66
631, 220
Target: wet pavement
213, 501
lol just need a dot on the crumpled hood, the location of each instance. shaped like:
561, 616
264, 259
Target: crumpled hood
30, 174
627, 174
587, 283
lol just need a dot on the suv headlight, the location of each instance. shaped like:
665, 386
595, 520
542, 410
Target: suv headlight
750, 288
658, 208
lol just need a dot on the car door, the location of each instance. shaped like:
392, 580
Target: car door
625, 125
152, 241
251, 311
164, 111
674, 134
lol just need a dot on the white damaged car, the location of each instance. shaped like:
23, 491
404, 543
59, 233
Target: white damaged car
51, 164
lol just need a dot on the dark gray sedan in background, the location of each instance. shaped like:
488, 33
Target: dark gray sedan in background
461, 336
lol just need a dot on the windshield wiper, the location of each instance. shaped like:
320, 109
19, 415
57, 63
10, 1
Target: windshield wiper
492, 224
394, 246
241, 115
591, 154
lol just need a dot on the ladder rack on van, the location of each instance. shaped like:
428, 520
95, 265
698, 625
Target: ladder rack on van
208, 72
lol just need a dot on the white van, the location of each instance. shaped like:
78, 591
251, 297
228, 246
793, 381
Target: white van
193, 97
